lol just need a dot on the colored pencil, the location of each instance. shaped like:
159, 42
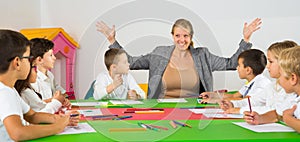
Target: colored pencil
173, 124
249, 103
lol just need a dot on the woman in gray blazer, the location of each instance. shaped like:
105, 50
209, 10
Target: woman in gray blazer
180, 70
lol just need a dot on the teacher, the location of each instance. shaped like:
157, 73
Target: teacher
180, 70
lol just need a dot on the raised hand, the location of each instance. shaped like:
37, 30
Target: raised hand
251, 28
109, 33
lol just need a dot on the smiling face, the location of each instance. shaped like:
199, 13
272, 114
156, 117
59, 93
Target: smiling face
181, 38
273, 66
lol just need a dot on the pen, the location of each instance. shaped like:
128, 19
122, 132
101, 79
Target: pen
249, 103
74, 115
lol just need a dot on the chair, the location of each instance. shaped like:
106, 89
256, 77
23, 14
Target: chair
144, 87
90, 92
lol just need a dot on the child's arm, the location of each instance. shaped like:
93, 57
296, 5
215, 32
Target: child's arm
103, 85
132, 95
18, 132
140, 94
117, 81
290, 120
233, 96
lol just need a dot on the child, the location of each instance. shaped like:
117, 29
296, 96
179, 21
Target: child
289, 62
251, 64
279, 100
14, 65
289, 79
117, 83
45, 83
34, 99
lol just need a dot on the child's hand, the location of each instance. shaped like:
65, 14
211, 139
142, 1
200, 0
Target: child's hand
62, 120
67, 104
205, 95
289, 112
211, 97
225, 104
132, 95
58, 96
74, 117
117, 81
252, 118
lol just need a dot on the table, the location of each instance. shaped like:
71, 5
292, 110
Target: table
203, 129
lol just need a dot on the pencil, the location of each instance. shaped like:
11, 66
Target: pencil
159, 127
249, 103
126, 129
173, 124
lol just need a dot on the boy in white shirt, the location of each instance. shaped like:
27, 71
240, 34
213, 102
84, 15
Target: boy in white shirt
251, 64
45, 84
117, 83
14, 112
289, 79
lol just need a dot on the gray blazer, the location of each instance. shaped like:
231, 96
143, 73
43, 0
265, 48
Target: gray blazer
204, 61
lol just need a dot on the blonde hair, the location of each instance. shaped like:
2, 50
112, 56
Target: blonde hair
289, 61
184, 24
277, 47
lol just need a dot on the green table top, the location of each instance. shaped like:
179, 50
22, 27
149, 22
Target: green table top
202, 130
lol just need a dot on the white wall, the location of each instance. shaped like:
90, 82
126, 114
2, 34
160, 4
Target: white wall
218, 25
19, 14
142, 25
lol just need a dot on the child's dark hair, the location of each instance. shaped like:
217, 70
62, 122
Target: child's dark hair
111, 56
255, 59
40, 46
22, 85
12, 44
